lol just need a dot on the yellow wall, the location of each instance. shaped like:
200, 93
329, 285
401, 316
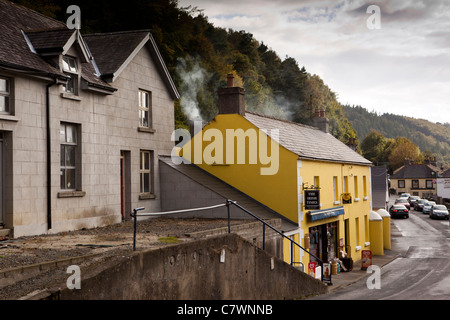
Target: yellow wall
357, 213
277, 192
282, 191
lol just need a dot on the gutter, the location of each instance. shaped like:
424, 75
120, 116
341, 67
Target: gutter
49, 153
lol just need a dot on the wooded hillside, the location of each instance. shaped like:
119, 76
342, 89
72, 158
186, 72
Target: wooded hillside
200, 55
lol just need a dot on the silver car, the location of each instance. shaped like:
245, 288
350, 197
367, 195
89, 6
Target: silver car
427, 206
439, 211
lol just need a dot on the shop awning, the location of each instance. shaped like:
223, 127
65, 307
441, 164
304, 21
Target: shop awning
326, 213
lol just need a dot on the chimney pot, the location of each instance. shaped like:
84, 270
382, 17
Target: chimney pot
231, 98
230, 80
321, 121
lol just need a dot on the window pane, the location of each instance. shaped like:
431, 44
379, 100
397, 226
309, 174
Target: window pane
62, 133
144, 100
4, 87
4, 104
65, 64
140, 98
63, 178
71, 134
146, 160
63, 156
70, 156
146, 182
70, 179
70, 86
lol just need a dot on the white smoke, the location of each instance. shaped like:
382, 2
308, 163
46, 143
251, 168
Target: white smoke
193, 79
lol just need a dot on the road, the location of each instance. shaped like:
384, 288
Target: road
422, 272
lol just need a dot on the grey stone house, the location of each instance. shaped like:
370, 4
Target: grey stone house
83, 120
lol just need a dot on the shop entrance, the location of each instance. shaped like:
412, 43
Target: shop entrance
323, 241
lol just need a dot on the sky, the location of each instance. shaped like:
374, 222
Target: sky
386, 56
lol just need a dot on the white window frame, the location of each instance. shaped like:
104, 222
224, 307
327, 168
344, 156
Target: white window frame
70, 68
145, 109
146, 156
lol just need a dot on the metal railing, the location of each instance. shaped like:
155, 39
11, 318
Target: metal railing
228, 204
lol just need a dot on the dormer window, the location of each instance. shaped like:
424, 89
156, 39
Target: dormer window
70, 68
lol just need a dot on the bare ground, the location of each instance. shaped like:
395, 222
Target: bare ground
99, 245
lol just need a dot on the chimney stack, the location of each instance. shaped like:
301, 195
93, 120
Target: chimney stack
321, 121
231, 98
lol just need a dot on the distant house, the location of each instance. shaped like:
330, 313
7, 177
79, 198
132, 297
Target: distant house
302, 173
416, 179
443, 185
82, 122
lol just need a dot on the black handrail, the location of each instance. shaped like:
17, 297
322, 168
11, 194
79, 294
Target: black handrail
134, 214
279, 232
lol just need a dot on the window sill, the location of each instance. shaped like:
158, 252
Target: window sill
71, 194
144, 129
147, 196
9, 117
71, 96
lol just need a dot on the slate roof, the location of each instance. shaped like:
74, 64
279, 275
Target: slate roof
445, 174
113, 50
308, 142
14, 50
226, 191
415, 171
26, 37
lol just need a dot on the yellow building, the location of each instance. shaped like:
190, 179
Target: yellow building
301, 172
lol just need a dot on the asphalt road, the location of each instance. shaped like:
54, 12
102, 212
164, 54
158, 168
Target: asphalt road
422, 272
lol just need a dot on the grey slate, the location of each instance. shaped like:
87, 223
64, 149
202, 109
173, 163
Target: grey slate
306, 141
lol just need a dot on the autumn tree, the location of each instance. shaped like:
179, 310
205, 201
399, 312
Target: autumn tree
403, 150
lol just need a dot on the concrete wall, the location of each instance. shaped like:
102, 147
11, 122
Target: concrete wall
195, 270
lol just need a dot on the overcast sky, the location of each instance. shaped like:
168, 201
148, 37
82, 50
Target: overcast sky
397, 62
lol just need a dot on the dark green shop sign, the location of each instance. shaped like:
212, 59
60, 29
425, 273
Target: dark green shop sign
312, 199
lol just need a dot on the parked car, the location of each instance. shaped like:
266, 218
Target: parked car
413, 199
439, 211
399, 210
405, 195
427, 206
418, 206
403, 201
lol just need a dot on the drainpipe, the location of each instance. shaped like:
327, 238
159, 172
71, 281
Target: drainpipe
49, 154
